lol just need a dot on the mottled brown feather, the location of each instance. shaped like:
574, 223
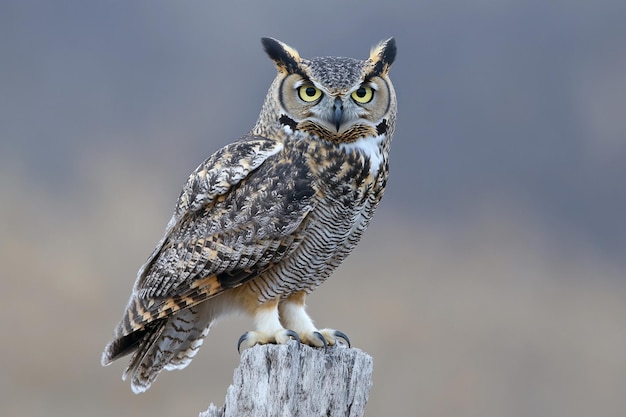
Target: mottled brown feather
228, 227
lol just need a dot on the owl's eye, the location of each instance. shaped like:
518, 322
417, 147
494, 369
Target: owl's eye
309, 93
363, 94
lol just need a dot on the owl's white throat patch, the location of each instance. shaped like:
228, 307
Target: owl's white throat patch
371, 147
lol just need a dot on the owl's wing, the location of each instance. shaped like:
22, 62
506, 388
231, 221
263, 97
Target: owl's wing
238, 214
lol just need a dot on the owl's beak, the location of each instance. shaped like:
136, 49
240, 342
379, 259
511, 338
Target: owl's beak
337, 113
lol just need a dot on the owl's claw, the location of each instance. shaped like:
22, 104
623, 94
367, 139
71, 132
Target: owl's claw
321, 338
293, 335
241, 340
341, 335
281, 337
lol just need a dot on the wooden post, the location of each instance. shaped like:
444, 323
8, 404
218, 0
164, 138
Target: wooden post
297, 380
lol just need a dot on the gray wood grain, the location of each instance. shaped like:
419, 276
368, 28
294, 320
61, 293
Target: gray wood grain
297, 380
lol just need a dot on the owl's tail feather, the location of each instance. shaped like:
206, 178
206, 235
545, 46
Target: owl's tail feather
124, 345
170, 344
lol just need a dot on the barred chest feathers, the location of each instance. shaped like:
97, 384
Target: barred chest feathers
349, 181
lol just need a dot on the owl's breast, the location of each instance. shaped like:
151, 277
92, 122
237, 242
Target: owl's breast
349, 190
348, 185
350, 172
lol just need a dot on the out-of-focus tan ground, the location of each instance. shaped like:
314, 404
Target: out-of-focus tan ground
487, 320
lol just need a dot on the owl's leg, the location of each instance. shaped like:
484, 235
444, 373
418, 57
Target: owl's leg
268, 327
293, 316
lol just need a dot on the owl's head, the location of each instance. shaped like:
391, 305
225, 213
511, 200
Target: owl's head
337, 99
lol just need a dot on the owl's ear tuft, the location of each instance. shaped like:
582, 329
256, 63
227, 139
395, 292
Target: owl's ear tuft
285, 57
382, 56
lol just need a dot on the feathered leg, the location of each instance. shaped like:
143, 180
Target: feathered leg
293, 316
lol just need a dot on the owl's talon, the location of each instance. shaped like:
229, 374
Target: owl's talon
321, 338
241, 340
293, 335
341, 335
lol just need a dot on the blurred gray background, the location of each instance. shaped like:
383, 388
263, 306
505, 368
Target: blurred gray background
493, 279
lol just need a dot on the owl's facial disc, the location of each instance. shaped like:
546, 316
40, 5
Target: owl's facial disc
338, 114
342, 113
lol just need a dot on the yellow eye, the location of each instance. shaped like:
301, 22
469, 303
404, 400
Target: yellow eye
363, 94
309, 93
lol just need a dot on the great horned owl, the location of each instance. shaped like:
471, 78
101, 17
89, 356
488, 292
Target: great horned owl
265, 220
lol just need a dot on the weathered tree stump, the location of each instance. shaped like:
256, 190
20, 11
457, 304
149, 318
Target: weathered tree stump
297, 380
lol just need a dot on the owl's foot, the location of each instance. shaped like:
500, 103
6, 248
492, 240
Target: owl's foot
279, 321
320, 339
293, 315
325, 337
281, 337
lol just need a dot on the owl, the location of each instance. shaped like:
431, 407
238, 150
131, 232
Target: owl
264, 221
